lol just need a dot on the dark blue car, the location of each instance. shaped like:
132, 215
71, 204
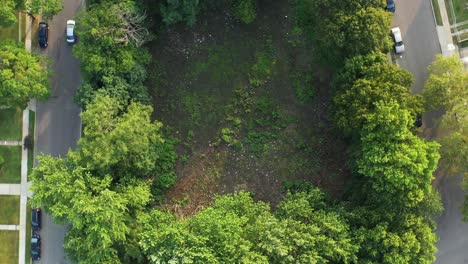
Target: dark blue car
36, 247
390, 6
36, 219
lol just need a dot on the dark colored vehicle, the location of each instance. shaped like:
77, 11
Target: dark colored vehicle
391, 7
43, 35
36, 247
418, 121
36, 219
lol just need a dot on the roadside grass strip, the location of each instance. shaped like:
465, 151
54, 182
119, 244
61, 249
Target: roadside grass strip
32, 120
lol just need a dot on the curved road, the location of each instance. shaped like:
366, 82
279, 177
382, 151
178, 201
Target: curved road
415, 19
58, 122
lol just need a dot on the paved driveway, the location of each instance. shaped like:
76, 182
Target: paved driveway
58, 121
416, 21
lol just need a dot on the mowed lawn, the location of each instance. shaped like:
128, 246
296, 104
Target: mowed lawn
9, 242
9, 209
10, 168
459, 8
11, 123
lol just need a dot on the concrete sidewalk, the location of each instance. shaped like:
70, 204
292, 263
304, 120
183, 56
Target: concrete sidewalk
9, 227
444, 33
10, 189
10, 143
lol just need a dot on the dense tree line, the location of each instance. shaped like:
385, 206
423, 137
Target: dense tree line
446, 89
46, 8
106, 188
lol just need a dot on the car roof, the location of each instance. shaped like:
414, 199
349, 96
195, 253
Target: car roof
397, 34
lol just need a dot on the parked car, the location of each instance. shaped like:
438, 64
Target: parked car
70, 32
36, 219
418, 121
36, 247
390, 7
399, 45
43, 35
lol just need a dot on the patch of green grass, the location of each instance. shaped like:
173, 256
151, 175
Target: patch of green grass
9, 209
10, 169
32, 124
464, 44
262, 70
9, 243
11, 122
221, 64
461, 13
303, 87
201, 108
438, 17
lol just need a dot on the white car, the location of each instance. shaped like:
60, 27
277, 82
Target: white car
399, 46
71, 38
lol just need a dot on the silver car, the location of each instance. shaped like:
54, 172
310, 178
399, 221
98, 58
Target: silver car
399, 45
71, 38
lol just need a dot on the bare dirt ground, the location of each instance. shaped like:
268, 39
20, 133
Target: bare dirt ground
198, 82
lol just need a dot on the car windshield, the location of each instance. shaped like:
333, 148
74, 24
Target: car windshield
33, 240
399, 43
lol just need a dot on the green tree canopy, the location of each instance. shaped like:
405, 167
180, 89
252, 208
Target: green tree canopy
110, 52
337, 28
372, 66
7, 13
398, 164
405, 238
23, 76
46, 8
351, 107
98, 211
446, 88
124, 142
237, 229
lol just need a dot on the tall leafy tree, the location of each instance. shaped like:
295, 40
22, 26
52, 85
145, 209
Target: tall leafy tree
399, 165
336, 27
392, 237
237, 229
23, 76
446, 88
7, 13
352, 106
110, 51
98, 211
46, 8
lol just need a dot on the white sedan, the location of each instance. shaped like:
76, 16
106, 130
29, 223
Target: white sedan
399, 46
71, 38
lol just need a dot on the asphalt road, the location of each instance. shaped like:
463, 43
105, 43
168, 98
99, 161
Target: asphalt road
416, 22
415, 19
58, 122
